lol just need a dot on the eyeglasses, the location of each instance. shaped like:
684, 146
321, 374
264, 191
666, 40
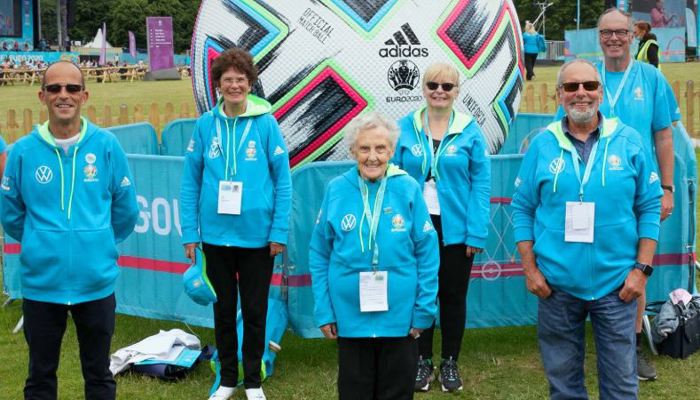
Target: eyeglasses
445, 86
70, 88
573, 86
607, 33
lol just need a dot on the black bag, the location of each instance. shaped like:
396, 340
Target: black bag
685, 340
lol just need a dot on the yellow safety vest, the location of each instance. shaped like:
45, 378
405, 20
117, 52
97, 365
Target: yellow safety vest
642, 54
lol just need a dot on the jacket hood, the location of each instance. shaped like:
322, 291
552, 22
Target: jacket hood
44, 134
459, 122
608, 127
392, 171
255, 106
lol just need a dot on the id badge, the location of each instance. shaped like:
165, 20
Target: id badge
373, 291
430, 196
580, 219
230, 197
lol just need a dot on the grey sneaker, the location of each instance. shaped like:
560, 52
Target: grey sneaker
646, 371
449, 376
424, 375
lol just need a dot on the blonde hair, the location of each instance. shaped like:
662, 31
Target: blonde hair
443, 70
529, 27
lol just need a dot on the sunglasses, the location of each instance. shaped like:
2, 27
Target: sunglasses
445, 86
70, 88
573, 86
607, 33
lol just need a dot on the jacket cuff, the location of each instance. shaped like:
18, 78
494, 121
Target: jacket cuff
422, 320
648, 230
477, 242
278, 236
521, 234
190, 237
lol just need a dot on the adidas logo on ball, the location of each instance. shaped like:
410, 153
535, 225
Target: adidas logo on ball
404, 44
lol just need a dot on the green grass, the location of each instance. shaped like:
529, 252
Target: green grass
498, 363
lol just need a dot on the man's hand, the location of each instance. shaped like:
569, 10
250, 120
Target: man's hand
666, 205
415, 332
536, 283
534, 280
330, 331
634, 286
276, 248
189, 251
472, 251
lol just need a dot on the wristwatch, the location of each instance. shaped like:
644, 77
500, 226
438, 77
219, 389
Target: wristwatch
670, 188
645, 268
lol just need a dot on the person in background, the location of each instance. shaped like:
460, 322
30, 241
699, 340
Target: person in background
444, 151
648, 50
583, 181
658, 16
373, 259
236, 197
534, 44
67, 196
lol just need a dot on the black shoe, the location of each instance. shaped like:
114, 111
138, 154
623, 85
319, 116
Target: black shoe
425, 375
449, 376
646, 371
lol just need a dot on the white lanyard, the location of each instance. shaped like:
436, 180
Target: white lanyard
228, 143
372, 217
613, 100
589, 166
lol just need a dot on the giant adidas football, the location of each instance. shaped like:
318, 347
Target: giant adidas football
322, 62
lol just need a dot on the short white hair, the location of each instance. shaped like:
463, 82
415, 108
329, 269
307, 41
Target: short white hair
368, 121
560, 73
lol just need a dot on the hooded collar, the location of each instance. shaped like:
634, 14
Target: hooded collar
255, 106
459, 122
45, 133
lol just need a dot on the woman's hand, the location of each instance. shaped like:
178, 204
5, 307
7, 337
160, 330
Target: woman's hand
276, 248
330, 331
472, 251
189, 251
415, 332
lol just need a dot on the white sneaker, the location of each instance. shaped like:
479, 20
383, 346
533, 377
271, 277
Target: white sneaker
223, 393
255, 394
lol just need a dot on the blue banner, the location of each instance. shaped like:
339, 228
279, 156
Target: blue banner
34, 56
152, 258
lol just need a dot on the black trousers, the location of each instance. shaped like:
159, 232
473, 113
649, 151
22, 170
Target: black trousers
530, 59
453, 281
376, 368
44, 326
232, 270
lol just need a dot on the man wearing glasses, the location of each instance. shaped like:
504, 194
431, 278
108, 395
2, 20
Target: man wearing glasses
586, 220
67, 196
639, 95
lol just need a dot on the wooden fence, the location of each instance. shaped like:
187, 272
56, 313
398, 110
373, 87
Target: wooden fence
537, 98
18, 123
541, 98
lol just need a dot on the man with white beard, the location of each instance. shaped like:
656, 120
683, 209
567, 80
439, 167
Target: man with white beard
586, 221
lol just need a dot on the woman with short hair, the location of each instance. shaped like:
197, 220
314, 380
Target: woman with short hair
648, 50
235, 200
444, 151
373, 260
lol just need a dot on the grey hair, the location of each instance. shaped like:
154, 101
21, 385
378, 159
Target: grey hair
630, 22
576, 61
368, 121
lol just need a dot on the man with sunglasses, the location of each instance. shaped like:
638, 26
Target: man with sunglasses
586, 220
67, 196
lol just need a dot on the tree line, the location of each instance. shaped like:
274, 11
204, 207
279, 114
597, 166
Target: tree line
122, 16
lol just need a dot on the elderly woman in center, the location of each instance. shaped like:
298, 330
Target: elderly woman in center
444, 151
374, 261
